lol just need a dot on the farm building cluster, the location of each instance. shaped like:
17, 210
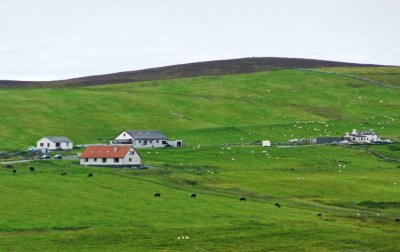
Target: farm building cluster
355, 137
120, 152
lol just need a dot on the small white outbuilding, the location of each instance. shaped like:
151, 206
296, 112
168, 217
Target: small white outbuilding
266, 143
55, 143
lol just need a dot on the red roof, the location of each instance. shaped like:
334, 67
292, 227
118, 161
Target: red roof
105, 151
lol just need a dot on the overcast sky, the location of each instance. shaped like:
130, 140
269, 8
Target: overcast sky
57, 39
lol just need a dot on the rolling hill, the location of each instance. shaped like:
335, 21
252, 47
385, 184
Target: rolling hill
220, 67
333, 198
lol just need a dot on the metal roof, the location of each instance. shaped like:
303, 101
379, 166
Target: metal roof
146, 135
105, 151
58, 138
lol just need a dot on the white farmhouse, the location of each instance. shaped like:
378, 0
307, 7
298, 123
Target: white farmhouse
55, 143
110, 155
356, 136
145, 139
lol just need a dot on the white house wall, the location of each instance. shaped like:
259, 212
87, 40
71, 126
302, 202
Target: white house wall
363, 139
153, 143
136, 160
123, 136
47, 143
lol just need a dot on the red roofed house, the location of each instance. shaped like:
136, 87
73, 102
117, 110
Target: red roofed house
110, 155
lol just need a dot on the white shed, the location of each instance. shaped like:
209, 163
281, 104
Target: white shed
266, 143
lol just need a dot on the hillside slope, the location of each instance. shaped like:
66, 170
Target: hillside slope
219, 67
206, 110
327, 193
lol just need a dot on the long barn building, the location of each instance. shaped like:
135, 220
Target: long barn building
110, 155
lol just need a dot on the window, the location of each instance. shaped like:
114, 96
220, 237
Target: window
140, 141
124, 134
67, 144
95, 159
157, 141
116, 160
86, 159
48, 144
130, 159
151, 141
104, 160
132, 153
41, 144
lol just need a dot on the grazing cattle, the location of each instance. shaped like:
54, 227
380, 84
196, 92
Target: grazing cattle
90, 175
193, 195
31, 169
157, 195
319, 215
63, 173
277, 205
14, 171
9, 166
398, 220
242, 199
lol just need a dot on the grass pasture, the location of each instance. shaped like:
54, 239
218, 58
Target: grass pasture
220, 119
201, 110
116, 210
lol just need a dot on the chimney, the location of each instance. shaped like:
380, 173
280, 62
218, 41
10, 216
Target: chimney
115, 148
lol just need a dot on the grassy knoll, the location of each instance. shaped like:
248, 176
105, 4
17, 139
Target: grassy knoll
219, 119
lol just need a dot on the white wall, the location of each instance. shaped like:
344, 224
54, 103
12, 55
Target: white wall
149, 143
136, 160
123, 136
52, 145
363, 139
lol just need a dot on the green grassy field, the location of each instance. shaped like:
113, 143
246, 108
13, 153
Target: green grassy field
219, 120
200, 110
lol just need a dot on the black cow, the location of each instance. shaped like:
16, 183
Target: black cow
398, 220
157, 195
31, 169
90, 175
277, 205
242, 199
319, 215
63, 173
9, 166
14, 171
193, 195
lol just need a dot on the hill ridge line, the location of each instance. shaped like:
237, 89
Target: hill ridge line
196, 69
